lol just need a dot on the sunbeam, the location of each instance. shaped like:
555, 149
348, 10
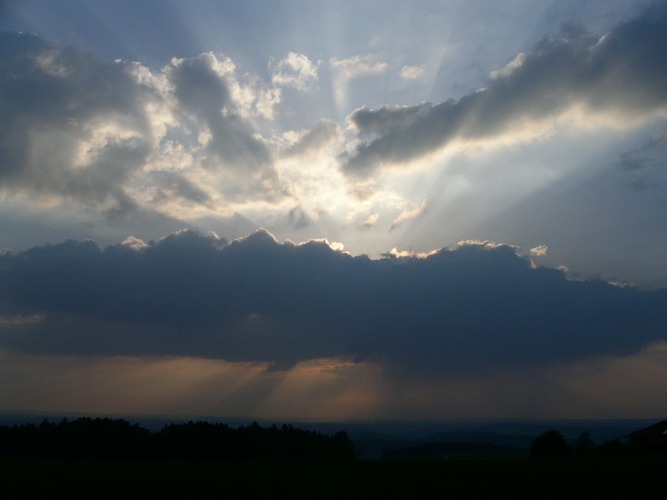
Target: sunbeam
333, 210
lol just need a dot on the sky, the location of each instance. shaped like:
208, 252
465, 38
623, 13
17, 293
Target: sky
350, 210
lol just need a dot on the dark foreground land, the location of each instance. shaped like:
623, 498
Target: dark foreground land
611, 477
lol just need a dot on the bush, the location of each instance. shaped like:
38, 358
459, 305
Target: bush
550, 444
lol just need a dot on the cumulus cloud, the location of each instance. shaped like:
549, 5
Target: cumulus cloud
255, 300
134, 243
539, 251
121, 137
323, 135
575, 76
296, 71
71, 127
202, 91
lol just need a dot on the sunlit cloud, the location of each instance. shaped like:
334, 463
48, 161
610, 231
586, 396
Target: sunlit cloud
296, 71
370, 221
510, 67
410, 254
539, 251
411, 72
564, 77
409, 214
486, 244
134, 243
358, 66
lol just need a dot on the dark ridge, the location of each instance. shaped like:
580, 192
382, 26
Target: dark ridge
441, 451
107, 438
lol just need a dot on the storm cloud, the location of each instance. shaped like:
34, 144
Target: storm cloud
467, 309
622, 74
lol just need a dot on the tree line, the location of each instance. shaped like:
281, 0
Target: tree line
117, 438
552, 444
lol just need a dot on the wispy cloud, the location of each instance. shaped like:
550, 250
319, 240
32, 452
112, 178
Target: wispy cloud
408, 214
411, 72
370, 221
358, 66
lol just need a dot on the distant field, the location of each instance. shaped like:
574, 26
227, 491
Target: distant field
642, 477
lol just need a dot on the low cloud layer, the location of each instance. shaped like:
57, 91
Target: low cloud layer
621, 75
474, 308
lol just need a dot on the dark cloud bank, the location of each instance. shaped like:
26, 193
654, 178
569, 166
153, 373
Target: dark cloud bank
623, 72
467, 309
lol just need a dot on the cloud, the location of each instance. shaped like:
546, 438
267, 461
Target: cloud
298, 218
370, 221
411, 72
352, 72
72, 127
203, 93
408, 214
539, 251
325, 134
358, 66
470, 309
121, 138
296, 71
170, 186
230, 158
642, 167
620, 77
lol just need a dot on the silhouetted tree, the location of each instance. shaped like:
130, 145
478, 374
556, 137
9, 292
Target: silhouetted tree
614, 448
105, 438
550, 444
81, 438
584, 445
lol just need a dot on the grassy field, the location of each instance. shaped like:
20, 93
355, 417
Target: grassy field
499, 478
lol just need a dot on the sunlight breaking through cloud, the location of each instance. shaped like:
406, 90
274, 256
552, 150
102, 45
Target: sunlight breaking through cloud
256, 160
